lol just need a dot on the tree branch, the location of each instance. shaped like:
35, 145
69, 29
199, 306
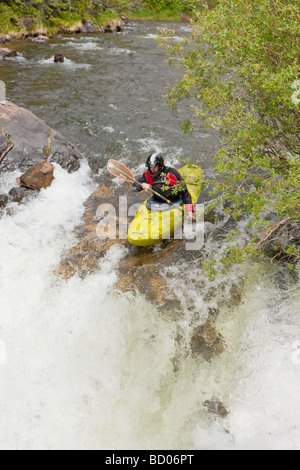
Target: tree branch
6, 152
270, 231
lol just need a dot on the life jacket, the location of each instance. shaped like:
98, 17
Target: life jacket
171, 179
159, 183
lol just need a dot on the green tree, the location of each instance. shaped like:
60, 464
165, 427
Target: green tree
242, 66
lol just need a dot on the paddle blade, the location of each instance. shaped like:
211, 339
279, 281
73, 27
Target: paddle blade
120, 171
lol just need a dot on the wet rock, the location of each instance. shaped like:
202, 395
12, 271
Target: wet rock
3, 200
40, 40
108, 29
77, 28
88, 27
31, 136
139, 270
84, 257
4, 143
211, 216
59, 58
235, 296
4, 52
38, 176
18, 194
207, 342
216, 407
114, 26
213, 313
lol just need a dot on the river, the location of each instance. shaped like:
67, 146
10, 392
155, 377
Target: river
85, 366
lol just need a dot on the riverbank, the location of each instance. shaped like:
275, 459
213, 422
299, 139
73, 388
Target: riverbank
32, 28
16, 26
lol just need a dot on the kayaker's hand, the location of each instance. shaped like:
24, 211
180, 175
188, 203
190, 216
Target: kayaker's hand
146, 186
190, 215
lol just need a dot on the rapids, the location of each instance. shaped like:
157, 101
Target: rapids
85, 365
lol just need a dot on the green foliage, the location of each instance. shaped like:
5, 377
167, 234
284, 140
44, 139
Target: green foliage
171, 8
241, 66
57, 12
161, 5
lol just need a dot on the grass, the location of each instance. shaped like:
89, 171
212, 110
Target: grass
155, 15
11, 16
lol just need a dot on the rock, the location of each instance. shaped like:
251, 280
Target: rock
4, 52
31, 136
108, 29
39, 176
211, 217
18, 194
216, 407
39, 40
207, 342
116, 25
59, 58
235, 296
3, 39
77, 28
88, 27
3, 200
4, 143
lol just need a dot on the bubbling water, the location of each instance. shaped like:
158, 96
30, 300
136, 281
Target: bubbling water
84, 366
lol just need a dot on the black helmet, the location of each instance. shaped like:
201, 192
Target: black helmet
155, 159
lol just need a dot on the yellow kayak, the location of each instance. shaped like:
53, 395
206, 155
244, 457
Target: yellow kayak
155, 221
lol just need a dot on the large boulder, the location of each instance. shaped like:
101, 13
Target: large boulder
88, 27
34, 141
38, 176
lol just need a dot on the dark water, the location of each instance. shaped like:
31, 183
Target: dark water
108, 95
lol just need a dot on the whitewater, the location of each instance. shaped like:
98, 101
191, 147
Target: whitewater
84, 366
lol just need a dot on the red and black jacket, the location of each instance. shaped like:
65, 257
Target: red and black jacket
169, 177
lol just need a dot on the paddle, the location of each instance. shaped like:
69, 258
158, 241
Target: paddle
121, 171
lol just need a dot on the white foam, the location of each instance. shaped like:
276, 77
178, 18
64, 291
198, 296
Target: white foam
66, 63
85, 46
109, 129
120, 51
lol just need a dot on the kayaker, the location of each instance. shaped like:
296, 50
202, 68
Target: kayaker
163, 179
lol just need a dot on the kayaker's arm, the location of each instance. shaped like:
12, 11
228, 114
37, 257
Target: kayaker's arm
139, 187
